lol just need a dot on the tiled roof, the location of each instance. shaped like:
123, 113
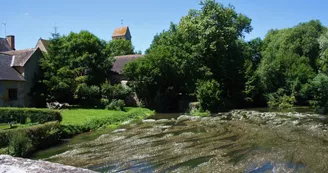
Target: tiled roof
42, 44
121, 61
4, 45
121, 31
6, 71
21, 56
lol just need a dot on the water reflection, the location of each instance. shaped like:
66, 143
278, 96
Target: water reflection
277, 167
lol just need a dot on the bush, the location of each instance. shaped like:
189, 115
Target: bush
209, 95
280, 100
88, 96
320, 93
114, 91
104, 102
116, 105
41, 136
20, 115
20, 145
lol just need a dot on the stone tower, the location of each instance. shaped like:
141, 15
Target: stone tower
122, 33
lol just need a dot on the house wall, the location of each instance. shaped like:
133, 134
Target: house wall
4, 98
31, 71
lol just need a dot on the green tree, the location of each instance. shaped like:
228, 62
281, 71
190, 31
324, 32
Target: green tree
289, 59
320, 93
323, 58
119, 47
72, 61
206, 45
209, 95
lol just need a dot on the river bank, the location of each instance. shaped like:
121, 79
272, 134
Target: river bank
26, 139
236, 141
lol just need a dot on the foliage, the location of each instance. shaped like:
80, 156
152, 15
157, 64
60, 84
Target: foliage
209, 95
323, 58
117, 105
205, 45
117, 91
88, 96
119, 47
20, 145
320, 93
74, 60
22, 141
280, 100
289, 60
21, 115
199, 113
253, 88
202, 58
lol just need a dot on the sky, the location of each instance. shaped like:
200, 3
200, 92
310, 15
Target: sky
29, 20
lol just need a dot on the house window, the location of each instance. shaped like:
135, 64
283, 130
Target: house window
12, 94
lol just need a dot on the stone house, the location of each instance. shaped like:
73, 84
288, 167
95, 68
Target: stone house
118, 65
42, 44
18, 73
122, 33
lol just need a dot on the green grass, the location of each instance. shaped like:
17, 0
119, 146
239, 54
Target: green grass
199, 113
6, 126
82, 116
76, 121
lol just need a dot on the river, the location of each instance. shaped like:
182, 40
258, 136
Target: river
237, 141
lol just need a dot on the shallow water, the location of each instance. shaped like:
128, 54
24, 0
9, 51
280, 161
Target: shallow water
240, 141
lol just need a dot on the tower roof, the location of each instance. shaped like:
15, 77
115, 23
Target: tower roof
121, 31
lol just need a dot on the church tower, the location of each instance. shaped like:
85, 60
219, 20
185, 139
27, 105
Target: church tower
122, 33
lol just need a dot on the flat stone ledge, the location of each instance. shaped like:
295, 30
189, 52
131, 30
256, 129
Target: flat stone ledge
9, 164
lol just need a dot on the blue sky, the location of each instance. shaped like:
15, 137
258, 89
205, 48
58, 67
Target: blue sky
29, 20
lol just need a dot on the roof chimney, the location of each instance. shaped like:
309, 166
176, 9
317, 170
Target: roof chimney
11, 41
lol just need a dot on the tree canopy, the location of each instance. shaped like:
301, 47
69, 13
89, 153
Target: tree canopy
206, 51
77, 65
203, 58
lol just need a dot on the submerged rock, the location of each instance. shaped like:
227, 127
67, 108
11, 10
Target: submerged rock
183, 118
119, 130
164, 121
10, 164
148, 121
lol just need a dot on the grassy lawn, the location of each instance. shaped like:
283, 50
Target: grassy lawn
82, 116
77, 121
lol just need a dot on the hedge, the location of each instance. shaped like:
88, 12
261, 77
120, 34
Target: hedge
20, 115
42, 136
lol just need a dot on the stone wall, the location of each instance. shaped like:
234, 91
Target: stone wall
4, 98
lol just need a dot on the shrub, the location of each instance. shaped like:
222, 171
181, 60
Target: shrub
280, 100
88, 96
114, 91
104, 102
20, 115
116, 105
209, 95
41, 136
20, 145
